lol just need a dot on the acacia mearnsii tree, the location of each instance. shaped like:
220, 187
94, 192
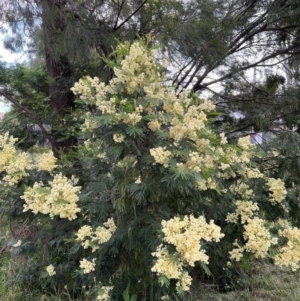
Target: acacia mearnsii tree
216, 48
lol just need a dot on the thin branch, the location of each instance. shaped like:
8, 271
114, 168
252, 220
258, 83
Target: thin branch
27, 111
120, 6
130, 16
179, 72
199, 86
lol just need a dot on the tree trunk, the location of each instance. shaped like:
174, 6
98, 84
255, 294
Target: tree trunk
58, 69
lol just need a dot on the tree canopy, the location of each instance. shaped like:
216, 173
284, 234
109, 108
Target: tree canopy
226, 49
139, 158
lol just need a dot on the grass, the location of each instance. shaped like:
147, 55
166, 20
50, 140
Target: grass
268, 283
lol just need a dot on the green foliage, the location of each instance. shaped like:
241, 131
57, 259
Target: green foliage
163, 199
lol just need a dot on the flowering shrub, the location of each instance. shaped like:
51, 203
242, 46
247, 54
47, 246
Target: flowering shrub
160, 192
186, 235
60, 199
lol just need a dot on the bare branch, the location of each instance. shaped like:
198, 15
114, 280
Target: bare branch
120, 6
27, 111
197, 86
130, 16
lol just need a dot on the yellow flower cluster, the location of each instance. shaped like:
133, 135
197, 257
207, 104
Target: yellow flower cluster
14, 164
136, 69
242, 189
46, 162
132, 118
154, 125
245, 209
16, 168
184, 282
92, 91
185, 234
289, 255
59, 199
237, 253
83, 232
258, 240
50, 270
253, 173
161, 155
118, 138
186, 125
223, 138
277, 189
87, 266
85, 86
89, 123
244, 143
138, 180
194, 161
93, 239
103, 294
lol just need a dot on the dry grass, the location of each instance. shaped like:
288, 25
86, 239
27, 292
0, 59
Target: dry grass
268, 283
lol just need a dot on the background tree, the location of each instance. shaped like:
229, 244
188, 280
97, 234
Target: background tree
211, 46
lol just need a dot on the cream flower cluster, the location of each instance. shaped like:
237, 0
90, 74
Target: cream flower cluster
245, 209
89, 123
91, 91
194, 161
154, 125
253, 173
50, 270
289, 254
277, 189
242, 189
17, 164
93, 239
245, 143
87, 266
223, 138
14, 164
136, 69
258, 240
46, 162
161, 155
16, 169
103, 294
188, 124
118, 138
132, 118
186, 235
167, 264
60, 198
184, 282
